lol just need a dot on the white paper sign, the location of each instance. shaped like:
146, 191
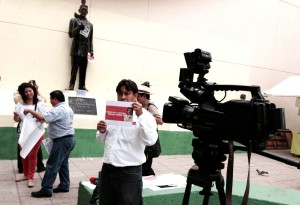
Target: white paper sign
86, 31
31, 132
90, 57
120, 113
48, 143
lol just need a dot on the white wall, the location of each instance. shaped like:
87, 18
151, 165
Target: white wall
252, 42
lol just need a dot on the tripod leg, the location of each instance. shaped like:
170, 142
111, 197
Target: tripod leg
187, 193
221, 192
206, 192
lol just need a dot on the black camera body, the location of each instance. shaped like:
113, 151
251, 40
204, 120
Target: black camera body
212, 121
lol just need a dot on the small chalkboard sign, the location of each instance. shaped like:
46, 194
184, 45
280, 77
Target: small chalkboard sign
81, 105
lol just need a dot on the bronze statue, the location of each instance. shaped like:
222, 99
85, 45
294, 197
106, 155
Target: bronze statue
81, 30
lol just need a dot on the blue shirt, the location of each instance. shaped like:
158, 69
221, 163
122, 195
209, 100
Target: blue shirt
60, 121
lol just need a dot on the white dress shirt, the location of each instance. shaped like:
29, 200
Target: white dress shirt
124, 146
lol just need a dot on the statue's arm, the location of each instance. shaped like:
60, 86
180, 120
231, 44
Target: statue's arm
91, 40
74, 28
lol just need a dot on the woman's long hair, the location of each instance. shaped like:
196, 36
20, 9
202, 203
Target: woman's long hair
21, 90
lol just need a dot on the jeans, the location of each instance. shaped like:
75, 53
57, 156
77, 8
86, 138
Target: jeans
58, 162
121, 185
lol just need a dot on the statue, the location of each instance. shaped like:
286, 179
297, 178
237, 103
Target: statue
81, 30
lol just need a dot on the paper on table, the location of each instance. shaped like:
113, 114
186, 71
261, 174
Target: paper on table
164, 181
88, 184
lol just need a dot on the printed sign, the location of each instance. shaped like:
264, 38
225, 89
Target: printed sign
120, 113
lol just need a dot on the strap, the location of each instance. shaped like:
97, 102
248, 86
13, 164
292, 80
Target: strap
148, 110
229, 175
18, 127
151, 104
246, 194
35, 108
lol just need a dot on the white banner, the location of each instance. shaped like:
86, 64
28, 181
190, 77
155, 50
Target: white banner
31, 132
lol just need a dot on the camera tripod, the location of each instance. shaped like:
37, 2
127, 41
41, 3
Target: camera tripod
205, 180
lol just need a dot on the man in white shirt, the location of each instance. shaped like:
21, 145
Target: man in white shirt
121, 174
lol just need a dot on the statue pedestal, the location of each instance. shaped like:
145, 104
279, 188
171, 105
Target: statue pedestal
85, 107
82, 93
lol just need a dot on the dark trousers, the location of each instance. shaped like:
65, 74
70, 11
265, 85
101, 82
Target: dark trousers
121, 185
147, 166
39, 164
81, 63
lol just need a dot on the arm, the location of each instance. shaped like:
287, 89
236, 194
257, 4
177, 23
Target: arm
17, 98
74, 28
147, 122
35, 114
148, 128
41, 98
154, 111
158, 120
41, 108
18, 114
16, 117
91, 41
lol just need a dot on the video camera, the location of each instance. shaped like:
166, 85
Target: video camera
213, 121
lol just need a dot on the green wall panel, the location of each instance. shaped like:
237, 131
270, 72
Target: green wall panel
172, 143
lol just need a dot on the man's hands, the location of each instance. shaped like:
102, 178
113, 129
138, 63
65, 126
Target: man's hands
35, 114
101, 126
137, 107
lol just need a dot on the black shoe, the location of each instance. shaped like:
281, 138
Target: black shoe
57, 190
41, 194
20, 171
71, 87
148, 173
40, 169
83, 88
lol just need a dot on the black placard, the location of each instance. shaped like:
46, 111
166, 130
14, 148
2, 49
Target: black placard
85, 106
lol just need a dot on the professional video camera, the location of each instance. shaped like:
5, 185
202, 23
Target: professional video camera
217, 125
237, 120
